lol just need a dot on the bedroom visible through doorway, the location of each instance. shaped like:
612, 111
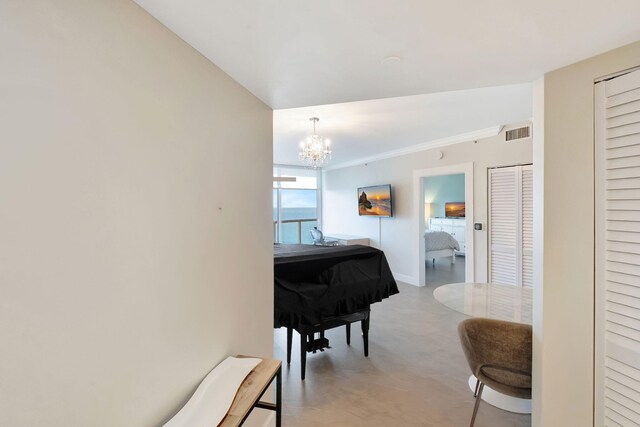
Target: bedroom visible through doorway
444, 236
443, 200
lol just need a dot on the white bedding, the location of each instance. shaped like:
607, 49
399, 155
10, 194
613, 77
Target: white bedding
437, 240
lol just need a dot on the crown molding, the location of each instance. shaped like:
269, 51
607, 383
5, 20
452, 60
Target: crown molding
450, 140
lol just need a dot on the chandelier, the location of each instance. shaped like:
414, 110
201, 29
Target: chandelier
314, 150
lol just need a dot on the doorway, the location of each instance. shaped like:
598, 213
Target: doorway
444, 206
444, 216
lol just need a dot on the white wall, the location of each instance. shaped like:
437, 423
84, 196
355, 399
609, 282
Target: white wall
564, 299
135, 230
340, 214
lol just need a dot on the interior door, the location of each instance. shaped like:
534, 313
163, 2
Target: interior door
511, 225
503, 225
617, 358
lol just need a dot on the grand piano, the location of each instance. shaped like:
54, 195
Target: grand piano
322, 287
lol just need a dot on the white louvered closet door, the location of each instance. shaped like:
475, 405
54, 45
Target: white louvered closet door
511, 225
617, 355
503, 225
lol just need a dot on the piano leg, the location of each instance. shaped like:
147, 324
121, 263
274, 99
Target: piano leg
303, 354
365, 334
289, 339
348, 326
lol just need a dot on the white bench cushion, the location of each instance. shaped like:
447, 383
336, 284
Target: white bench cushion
214, 396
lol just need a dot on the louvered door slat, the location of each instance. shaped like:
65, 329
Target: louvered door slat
623, 299
616, 184
623, 257
620, 110
619, 225
623, 141
623, 320
623, 151
623, 278
618, 251
623, 236
625, 289
623, 162
625, 119
623, 98
622, 309
622, 215
622, 267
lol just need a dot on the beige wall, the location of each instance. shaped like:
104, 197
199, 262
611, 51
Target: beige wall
563, 329
397, 235
135, 230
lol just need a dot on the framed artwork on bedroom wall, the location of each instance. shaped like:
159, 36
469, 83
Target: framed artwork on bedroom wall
375, 200
454, 209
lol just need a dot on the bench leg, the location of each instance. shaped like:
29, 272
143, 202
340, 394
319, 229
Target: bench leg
289, 339
279, 398
303, 354
365, 334
348, 326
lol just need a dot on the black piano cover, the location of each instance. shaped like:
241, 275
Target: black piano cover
317, 282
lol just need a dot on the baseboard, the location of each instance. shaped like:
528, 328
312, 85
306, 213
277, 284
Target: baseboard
405, 279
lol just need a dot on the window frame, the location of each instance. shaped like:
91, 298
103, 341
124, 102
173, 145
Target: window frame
278, 170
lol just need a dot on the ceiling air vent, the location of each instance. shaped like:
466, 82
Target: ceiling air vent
519, 133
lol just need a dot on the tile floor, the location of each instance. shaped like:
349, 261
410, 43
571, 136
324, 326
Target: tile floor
415, 375
444, 272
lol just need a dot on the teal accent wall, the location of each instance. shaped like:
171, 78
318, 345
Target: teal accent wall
439, 190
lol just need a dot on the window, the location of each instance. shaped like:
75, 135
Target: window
296, 204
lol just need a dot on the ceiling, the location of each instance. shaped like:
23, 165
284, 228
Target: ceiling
365, 130
293, 53
421, 70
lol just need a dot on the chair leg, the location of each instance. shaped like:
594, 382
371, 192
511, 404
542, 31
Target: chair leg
475, 408
289, 339
348, 326
475, 392
303, 354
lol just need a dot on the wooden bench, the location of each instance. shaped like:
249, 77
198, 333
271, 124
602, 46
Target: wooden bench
237, 383
252, 389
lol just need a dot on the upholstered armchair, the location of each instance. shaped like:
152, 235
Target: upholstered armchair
499, 355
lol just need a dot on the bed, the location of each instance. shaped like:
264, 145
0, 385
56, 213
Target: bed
438, 244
